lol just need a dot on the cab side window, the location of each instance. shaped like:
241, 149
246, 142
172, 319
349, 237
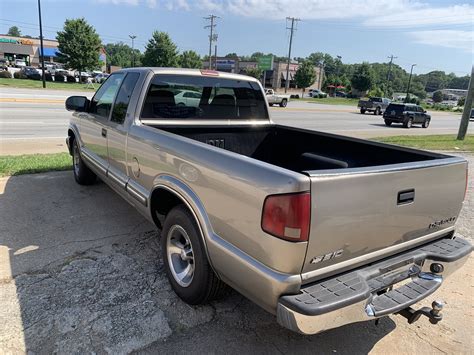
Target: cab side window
101, 103
123, 98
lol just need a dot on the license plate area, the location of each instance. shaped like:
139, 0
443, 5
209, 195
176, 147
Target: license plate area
394, 276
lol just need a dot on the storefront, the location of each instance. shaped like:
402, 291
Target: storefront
13, 49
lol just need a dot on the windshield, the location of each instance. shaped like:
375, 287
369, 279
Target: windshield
198, 97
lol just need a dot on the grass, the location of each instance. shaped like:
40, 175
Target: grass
432, 142
332, 101
38, 84
34, 163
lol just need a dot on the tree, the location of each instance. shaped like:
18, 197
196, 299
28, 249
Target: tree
78, 45
14, 31
160, 51
231, 55
121, 55
190, 59
254, 72
437, 96
363, 77
461, 101
305, 75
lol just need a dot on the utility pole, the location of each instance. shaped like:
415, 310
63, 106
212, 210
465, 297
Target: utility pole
212, 35
133, 50
321, 73
41, 45
392, 57
466, 113
409, 82
292, 29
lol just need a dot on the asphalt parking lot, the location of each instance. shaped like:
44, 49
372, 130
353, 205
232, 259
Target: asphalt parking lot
81, 272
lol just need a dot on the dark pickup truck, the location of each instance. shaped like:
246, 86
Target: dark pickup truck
377, 105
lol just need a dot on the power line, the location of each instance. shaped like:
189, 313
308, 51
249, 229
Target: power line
212, 35
292, 30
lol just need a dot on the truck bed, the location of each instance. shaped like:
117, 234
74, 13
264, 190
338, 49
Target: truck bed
302, 150
368, 200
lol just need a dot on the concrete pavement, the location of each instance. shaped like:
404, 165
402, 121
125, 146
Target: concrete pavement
81, 272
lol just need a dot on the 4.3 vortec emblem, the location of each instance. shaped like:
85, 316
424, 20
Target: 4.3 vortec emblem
441, 222
329, 256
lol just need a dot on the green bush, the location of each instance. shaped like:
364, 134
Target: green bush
19, 75
71, 79
5, 74
48, 77
59, 78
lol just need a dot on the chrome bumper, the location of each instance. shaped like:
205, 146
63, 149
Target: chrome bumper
364, 294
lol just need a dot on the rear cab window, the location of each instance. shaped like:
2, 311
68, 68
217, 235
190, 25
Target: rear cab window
187, 97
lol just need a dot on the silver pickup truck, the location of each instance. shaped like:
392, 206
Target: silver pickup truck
319, 229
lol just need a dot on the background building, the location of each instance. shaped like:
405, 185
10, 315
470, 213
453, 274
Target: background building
275, 78
29, 50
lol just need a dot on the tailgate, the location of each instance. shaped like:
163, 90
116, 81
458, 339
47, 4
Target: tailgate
364, 214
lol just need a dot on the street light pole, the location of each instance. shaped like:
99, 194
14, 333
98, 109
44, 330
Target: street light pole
409, 82
41, 45
466, 113
133, 50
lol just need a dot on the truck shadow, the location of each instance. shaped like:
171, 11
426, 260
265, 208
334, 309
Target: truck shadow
81, 271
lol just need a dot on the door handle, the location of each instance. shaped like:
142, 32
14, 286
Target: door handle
407, 196
104, 133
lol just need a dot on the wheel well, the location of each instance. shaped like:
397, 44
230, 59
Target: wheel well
72, 137
163, 201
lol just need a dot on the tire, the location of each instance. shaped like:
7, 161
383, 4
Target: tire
82, 174
180, 239
377, 111
408, 123
362, 111
270, 105
388, 122
283, 103
426, 123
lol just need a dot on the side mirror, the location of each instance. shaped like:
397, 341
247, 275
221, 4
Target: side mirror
77, 103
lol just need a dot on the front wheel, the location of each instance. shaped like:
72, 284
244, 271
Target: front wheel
362, 111
185, 259
283, 103
426, 124
388, 122
82, 174
377, 111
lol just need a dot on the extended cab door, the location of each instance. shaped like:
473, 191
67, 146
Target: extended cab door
94, 124
117, 131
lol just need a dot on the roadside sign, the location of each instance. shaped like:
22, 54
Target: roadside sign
265, 62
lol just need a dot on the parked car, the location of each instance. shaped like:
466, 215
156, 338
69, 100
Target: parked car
19, 63
377, 105
188, 98
340, 94
406, 114
100, 78
31, 73
320, 229
317, 93
4, 63
472, 114
274, 98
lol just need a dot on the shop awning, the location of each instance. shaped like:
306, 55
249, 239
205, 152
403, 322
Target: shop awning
16, 48
49, 51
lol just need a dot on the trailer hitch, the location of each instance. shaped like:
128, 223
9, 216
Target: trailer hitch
433, 313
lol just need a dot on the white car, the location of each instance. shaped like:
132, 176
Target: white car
316, 93
99, 78
187, 98
20, 63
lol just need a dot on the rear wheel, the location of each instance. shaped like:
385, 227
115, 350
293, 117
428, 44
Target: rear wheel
408, 123
283, 103
388, 122
82, 174
185, 259
362, 110
426, 123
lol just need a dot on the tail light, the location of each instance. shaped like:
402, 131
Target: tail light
287, 216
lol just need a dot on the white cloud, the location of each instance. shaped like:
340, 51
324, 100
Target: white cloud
446, 38
119, 2
151, 3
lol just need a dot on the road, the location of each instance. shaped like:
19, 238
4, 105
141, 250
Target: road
35, 119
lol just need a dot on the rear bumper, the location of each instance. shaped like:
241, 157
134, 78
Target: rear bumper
356, 296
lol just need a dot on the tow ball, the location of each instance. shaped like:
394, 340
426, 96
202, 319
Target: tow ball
433, 313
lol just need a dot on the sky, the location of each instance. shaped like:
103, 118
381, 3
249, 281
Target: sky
435, 35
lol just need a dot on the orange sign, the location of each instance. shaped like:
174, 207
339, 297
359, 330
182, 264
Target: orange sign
26, 41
